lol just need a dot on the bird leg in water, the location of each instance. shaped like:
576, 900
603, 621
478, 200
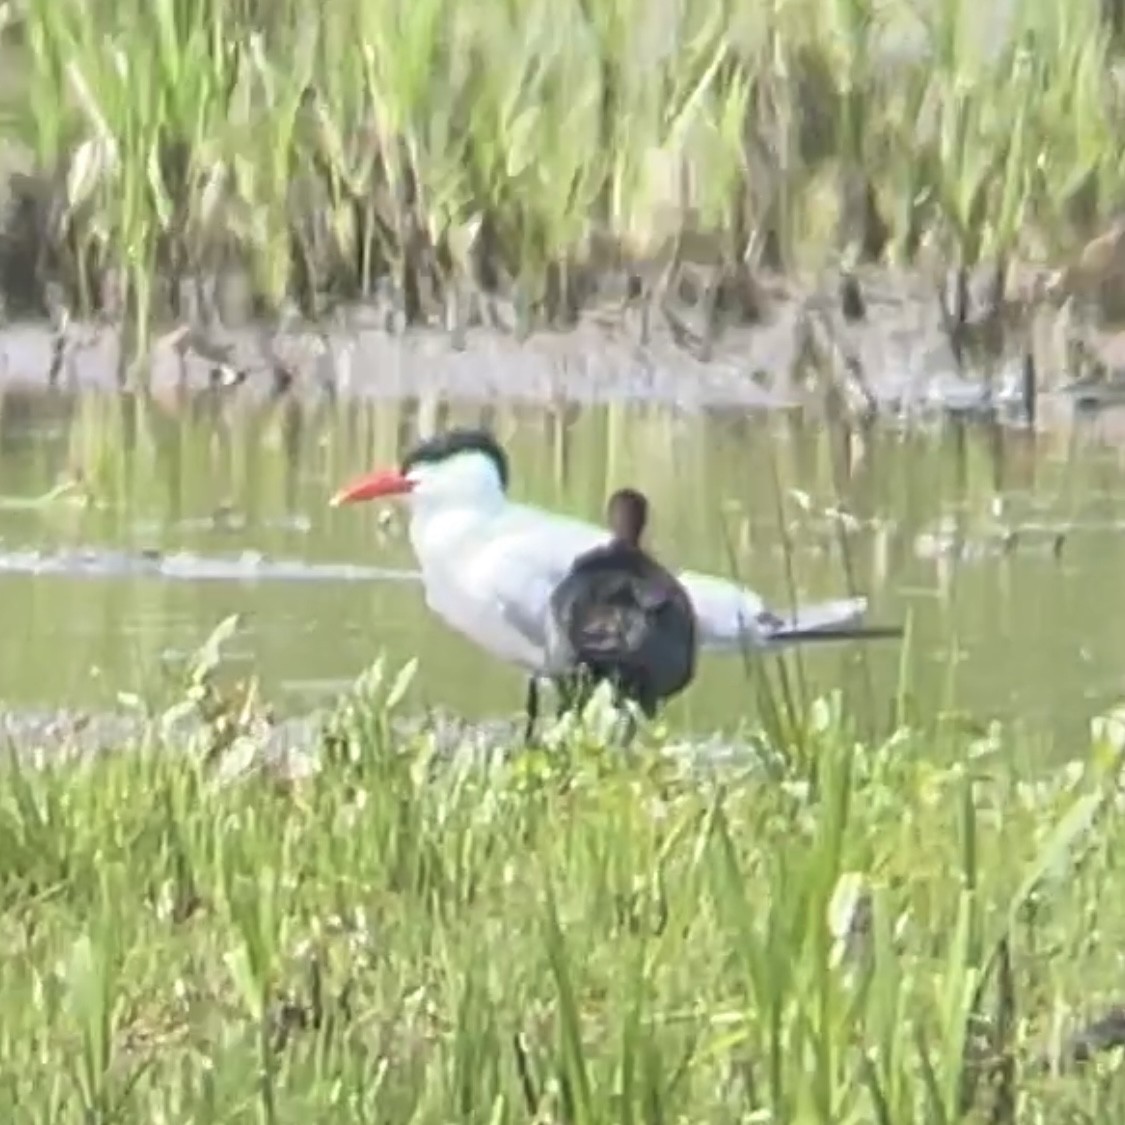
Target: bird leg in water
570, 695
568, 691
532, 707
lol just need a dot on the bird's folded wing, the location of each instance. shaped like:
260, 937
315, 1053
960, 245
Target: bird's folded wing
522, 566
524, 597
525, 617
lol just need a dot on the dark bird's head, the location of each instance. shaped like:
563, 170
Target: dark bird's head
627, 515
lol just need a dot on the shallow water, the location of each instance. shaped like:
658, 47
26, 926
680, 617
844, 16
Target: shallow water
1003, 549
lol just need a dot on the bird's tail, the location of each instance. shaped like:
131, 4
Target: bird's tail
839, 620
837, 633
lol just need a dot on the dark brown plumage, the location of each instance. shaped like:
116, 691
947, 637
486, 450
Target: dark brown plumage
620, 616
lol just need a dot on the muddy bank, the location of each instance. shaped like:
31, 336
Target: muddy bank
289, 747
900, 357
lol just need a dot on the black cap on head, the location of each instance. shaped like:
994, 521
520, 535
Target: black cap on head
441, 447
627, 515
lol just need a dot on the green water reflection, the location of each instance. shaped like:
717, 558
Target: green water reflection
1023, 632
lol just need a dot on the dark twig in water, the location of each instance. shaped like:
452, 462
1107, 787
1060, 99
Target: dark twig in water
1030, 388
58, 352
852, 303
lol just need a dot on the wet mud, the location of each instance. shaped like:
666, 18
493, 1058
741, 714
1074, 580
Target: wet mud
290, 747
898, 356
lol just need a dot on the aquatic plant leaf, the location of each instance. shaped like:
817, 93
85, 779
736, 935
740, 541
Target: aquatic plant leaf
1108, 731
82, 977
1014, 189
88, 167
1058, 852
131, 701
238, 963
174, 716
210, 653
237, 760
159, 193
213, 192
401, 684
521, 152
91, 1001
570, 1025
850, 899
681, 120
82, 91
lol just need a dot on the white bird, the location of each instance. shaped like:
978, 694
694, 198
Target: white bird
489, 565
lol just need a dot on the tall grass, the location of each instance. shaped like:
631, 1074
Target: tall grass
436, 150
575, 936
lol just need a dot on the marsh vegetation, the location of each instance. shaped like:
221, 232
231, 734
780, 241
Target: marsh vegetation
919, 927
435, 155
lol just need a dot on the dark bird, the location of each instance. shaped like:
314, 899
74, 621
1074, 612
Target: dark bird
619, 616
